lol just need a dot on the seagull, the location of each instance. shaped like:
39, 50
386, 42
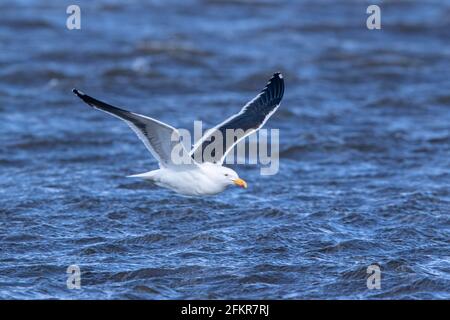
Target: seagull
193, 177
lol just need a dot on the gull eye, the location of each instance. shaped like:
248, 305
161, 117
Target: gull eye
226, 174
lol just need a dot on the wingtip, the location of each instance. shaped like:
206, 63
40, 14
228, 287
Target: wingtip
278, 75
78, 93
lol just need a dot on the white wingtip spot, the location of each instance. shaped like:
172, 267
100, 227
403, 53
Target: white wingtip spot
78, 92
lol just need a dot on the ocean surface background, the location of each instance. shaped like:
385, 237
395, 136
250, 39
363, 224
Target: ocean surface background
364, 150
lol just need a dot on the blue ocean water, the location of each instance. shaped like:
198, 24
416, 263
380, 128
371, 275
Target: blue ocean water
364, 150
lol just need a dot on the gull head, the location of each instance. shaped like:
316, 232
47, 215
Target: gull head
230, 177
223, 175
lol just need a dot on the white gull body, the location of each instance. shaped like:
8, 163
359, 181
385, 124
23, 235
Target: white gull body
205, 179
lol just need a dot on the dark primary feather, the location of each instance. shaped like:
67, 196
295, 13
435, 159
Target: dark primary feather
127, 115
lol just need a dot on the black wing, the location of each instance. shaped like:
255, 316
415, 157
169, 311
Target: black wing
251, 118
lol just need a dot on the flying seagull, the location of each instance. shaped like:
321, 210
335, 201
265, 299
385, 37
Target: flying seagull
193, 177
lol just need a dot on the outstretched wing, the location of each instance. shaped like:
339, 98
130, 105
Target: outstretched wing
251, 118
159, 138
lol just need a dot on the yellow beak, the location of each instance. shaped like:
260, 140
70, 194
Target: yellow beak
241, 183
